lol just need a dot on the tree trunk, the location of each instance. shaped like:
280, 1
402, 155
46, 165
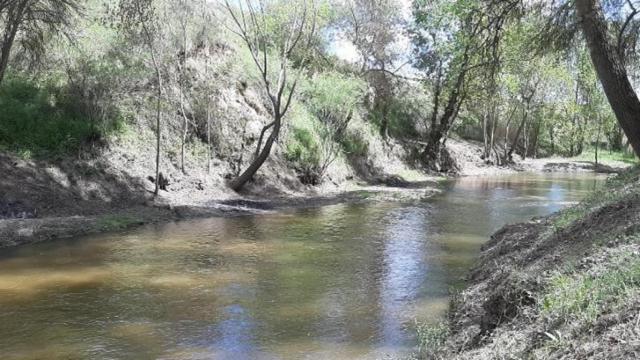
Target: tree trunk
485, 134
185, 128
183, 75
514, 143
598, 138
158, 131
611, 72
552, 140
156, 67
237, 183
15, 14
210, 149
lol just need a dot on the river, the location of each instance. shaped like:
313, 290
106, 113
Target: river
346, 281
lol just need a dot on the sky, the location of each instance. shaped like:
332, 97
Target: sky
344, 49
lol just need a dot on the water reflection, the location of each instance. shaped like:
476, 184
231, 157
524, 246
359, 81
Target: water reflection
344, 281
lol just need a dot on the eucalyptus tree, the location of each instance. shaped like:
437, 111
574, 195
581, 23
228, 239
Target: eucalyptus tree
273, 31
31, 22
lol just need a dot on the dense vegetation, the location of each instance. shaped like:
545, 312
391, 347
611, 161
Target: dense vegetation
516, 76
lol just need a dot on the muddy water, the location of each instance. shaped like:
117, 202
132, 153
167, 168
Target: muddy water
338, 282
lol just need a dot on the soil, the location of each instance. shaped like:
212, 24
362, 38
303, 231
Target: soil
45, 200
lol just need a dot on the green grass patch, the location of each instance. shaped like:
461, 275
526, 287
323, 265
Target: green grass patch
431, 338
615, 189
40, 120
117, 222
606, 156
583, 297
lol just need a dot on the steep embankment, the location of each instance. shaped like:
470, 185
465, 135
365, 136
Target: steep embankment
565, 286
106, 182
46, 199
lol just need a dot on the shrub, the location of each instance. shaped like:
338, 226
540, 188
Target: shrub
44, 119
355, 144
431, 338
303, 151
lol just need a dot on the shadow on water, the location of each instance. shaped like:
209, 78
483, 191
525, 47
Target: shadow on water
343, 281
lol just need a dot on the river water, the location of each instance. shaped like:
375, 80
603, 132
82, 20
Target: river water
337, 282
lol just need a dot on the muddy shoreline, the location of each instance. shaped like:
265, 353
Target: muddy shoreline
17, 232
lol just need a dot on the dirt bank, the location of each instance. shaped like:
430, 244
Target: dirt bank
44, 200
48, 199
566, 286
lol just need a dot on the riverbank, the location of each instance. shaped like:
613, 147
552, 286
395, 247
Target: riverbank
557, 287
44, 200
468, 159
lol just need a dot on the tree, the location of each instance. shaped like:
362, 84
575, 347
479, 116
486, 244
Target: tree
253, 24
184, 11
373, 27
137, 18
610, 68
448, 49
30, 21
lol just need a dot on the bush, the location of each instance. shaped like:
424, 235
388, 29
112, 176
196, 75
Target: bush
44, 120
354, 144
303, 151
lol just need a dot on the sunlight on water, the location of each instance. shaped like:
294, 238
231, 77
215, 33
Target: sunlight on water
338, 282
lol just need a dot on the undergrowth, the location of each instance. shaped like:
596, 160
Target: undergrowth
431, 338
583, 297
117, 222
43, 119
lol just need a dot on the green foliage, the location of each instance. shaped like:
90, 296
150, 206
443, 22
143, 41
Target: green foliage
44, 119
332, 92
431, 337
302, 149
355, 144
605, 155
585, 296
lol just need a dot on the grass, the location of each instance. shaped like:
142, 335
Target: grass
431, 338
117, 222
615, 189
42, 119
583, 297
606, 156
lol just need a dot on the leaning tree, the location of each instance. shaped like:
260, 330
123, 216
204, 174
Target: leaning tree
608, 60
273, 32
